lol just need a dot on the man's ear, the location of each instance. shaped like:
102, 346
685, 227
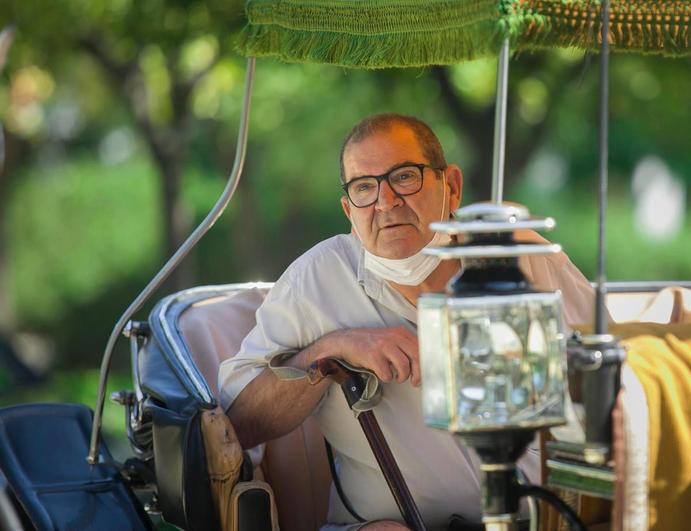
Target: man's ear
454, 180
345, 204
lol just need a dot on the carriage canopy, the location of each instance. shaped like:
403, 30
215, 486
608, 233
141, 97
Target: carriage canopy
404, 33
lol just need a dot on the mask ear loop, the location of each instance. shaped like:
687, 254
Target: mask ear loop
443, 205
443, 200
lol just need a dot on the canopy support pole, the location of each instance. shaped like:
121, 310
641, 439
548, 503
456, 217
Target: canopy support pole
499, 154
603, 128
183, 250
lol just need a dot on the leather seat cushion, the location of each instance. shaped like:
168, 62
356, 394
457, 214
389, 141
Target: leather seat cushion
295, 465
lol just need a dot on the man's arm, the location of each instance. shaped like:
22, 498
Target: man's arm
268, 407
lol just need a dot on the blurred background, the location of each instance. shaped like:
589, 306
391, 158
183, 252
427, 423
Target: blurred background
119, 125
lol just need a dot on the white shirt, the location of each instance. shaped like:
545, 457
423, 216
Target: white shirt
328, 289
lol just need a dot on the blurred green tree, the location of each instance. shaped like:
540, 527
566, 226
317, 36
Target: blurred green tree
84, 75
153, 55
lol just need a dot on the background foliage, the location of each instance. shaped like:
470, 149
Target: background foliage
120, 121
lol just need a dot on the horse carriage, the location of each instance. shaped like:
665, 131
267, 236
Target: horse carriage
186, 461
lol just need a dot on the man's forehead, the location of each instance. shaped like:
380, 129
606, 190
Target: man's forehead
380, 151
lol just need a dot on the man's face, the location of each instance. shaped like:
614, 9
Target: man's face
398, 227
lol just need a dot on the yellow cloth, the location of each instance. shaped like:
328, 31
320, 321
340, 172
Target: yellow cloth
663, 367
681, 331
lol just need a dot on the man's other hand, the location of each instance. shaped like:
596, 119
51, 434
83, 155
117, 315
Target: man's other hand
391, 353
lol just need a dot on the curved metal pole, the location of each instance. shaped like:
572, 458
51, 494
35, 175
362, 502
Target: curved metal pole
600, 310
499, 154
172, 263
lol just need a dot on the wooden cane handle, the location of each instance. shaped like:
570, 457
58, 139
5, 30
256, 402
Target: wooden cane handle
327, 368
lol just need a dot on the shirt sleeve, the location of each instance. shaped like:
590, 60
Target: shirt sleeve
281, 329
557, 272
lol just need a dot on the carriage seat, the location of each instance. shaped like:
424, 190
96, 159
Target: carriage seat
295, 465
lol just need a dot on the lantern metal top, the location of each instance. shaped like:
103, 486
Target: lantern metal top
480, 219
492, 251
492, 217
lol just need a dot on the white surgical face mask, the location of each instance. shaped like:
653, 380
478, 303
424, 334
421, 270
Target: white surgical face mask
410, 271
413, 270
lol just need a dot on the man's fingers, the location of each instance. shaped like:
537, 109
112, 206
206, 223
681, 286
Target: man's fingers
404, 358
415, 376
401, 363
411, 349
413, 361
380, 366
409, 342
384, 351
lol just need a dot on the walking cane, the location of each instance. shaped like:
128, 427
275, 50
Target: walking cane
353, 386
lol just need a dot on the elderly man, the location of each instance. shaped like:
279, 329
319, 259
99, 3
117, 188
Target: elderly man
353, 296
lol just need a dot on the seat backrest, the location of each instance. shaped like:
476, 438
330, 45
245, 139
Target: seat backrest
295, 465
214, 328
670, 305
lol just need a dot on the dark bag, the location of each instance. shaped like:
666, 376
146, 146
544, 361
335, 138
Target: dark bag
43, 449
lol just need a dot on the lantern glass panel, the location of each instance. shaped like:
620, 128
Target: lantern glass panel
433, 331
504, 359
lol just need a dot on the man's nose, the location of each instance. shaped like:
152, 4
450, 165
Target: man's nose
387, 197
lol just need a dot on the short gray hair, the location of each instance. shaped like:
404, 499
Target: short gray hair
431, 147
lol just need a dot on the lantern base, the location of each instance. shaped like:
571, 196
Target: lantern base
499, 451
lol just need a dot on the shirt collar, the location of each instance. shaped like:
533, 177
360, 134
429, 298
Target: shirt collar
379, 290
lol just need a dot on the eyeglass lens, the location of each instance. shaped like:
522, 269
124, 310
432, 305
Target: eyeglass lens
404, 181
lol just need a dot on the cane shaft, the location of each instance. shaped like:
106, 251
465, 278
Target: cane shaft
391, 472
353, 387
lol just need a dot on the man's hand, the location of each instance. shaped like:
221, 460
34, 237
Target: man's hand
391, 353
268, 407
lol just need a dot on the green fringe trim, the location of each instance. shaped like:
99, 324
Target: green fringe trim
376, 51
645, 26
374, 34
406, 33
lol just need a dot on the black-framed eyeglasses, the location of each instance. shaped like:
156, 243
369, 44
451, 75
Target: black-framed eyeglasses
403, 180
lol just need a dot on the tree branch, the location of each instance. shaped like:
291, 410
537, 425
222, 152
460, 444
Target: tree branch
166, 144
481, 135
181, 91
127, 76
522, 147
118, 72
